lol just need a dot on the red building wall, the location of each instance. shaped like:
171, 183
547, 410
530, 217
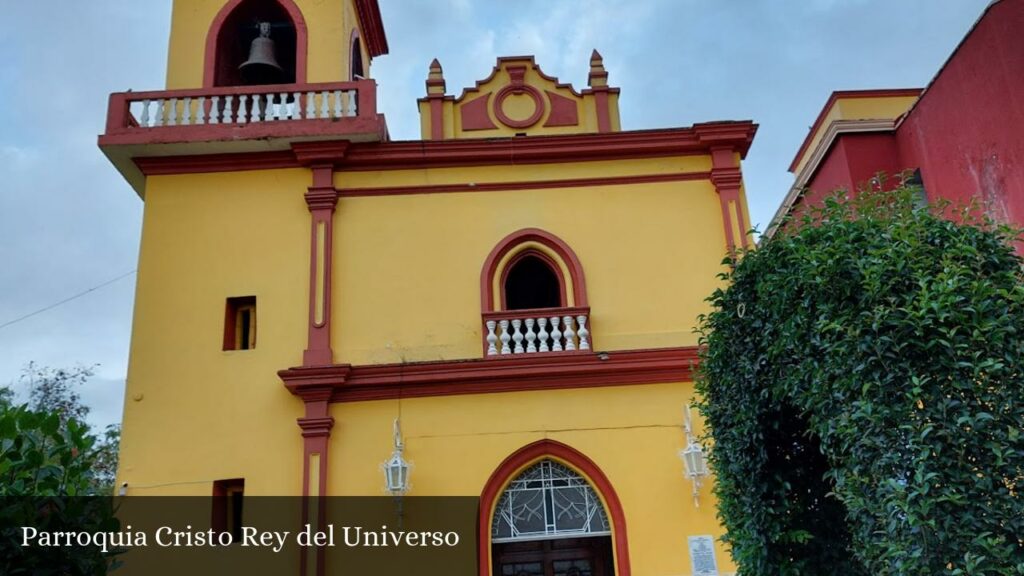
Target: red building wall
966, 133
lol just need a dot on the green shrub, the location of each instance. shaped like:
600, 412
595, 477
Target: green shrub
863, 381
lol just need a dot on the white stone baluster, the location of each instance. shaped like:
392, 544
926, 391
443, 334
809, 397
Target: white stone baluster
337, 104
542, 333
296, 107
325, 105
172, 113
281, 112
228, 109
570, 342
186, 113
269, 107
582, 332
492, 338
505, 337
556, 336
201, 111
517, 336
144, 119
158, 116
215, 110
311, 106
344, 103
244, 109
531, 337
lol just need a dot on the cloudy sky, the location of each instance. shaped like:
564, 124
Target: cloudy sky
69, 223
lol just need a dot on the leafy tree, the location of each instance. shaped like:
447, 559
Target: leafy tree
55, 391
45, 470
863, 381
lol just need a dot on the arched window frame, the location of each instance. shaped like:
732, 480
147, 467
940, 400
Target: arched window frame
301, 41
532, 252
521, 460
532, 241
355, 46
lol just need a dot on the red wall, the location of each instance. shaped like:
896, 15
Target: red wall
851, 163
966, 133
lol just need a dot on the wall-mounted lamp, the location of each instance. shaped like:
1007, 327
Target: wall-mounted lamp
694, 462
396, 469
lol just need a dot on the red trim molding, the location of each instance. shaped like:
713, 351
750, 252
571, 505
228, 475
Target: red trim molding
512, 373
522, 184
301, 42
528, 455
697, 140
372, 27
512, 242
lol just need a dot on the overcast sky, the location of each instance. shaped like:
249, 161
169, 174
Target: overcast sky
68, 222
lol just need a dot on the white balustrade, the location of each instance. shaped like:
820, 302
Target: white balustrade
520, 334
243, 108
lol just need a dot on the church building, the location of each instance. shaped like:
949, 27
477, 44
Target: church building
502, 309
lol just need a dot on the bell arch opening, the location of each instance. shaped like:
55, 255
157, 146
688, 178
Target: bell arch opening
256, 42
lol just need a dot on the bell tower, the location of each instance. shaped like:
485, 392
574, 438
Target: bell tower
248, 76
223, 43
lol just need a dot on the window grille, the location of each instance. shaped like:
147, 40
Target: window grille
548, 501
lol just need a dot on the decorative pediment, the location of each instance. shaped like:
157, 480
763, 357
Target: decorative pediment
518, 98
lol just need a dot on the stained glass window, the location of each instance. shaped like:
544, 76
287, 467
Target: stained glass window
548, 500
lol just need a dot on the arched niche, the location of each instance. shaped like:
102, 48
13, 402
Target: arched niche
232, 33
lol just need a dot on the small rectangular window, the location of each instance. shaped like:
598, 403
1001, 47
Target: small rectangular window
240, 323
228, 497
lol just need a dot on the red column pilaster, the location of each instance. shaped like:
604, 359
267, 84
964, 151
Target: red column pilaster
321, 199
727, 178
316, 433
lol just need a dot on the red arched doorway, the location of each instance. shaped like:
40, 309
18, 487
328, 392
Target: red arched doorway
548, 510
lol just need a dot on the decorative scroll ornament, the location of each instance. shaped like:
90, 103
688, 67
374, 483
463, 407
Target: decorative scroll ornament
548, 501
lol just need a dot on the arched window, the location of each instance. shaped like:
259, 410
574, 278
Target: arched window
549, 510
531, 282
548, 500
358, 71
256, 42
523, 270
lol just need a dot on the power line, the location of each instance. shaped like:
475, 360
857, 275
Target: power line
66, 300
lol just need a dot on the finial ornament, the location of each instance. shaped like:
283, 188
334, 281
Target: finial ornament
598, 76
435, 78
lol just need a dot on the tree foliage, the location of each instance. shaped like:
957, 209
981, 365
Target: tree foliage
55, 391
863, 381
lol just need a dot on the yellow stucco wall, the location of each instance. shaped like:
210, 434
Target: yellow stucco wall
193, 412
648, 252
632, 433
406, 287
329, 24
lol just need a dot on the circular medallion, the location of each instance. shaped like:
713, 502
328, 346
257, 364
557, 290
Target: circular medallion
504, 93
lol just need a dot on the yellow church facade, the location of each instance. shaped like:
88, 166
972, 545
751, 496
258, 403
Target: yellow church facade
512, 296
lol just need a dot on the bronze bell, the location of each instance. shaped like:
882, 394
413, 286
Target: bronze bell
262, 66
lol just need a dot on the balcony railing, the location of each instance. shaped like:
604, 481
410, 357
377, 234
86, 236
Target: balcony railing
243, 112
535, 331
